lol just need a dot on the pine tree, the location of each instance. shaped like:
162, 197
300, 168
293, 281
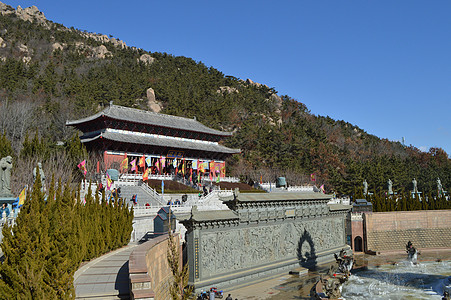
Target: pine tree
424, 203
5, 146
62, 262
404, 201
26, 249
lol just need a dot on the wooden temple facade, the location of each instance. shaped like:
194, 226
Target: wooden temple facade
168, 144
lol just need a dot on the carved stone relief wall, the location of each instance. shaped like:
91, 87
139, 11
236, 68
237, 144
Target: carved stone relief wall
244, 246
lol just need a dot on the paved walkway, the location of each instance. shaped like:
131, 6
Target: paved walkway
105, 277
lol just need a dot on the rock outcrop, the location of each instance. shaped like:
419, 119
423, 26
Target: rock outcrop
100, 52
23, 48
6, 9
26, 59
146, 59
227, 89
34, 15
57, 46
104, 39
2, 43
250, 82
152, 102
31, 14
118, 43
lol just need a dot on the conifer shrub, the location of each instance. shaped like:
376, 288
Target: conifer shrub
52, 235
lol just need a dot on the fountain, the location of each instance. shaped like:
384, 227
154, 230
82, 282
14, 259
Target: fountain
412, 253
330, 285
405, 279
397, 278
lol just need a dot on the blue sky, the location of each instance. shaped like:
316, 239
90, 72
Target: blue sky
384, 66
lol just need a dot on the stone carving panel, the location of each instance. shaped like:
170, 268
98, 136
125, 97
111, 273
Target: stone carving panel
239, 248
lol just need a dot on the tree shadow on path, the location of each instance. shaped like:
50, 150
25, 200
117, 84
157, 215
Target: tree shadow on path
122, 284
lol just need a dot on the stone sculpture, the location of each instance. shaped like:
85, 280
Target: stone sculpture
412, 253
42, 175
332, 287
390, 187
344, 262
415, 188
439, 186
6, 164
365, 187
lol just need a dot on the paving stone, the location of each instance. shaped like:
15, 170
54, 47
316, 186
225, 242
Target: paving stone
105, 278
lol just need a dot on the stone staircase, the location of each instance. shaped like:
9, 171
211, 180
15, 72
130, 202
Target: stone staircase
143, 195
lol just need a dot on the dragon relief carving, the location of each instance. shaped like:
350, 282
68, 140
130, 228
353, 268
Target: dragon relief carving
239, 248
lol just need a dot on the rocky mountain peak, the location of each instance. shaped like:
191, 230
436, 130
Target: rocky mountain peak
31, 14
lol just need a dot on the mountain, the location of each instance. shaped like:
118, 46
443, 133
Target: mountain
50, 73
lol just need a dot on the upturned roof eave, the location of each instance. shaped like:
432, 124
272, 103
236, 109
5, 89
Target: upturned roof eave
84, 120
108, 112
221, 149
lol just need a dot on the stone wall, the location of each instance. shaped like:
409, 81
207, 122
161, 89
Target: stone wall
392, 230
262, 237
149, 271
246, 247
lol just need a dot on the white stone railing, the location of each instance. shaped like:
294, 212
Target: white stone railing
213, 194
209, 202
153, 193
222, 179
303, 188
10, 220
267, 186
343, 200
141, 210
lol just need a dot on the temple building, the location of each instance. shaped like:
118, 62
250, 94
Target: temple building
168, 144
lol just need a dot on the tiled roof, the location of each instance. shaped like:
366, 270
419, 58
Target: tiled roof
150, 118
278, 196
335, 207
161, 141
209, 215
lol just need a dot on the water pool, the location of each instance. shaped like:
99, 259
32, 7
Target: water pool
402, 280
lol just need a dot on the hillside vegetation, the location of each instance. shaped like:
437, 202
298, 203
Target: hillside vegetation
50, 74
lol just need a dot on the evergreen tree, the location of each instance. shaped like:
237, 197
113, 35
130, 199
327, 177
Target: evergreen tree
26, 250
5, 146
51, 237
404, 201
62, 262
424, 203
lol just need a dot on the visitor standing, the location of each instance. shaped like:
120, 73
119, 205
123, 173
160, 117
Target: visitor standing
4, 211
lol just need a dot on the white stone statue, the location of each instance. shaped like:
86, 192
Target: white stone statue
6, 164
365, 187
439, 186
42, 175
415, 188
390, 187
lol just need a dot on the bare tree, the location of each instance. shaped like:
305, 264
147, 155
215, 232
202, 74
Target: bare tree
15, 119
